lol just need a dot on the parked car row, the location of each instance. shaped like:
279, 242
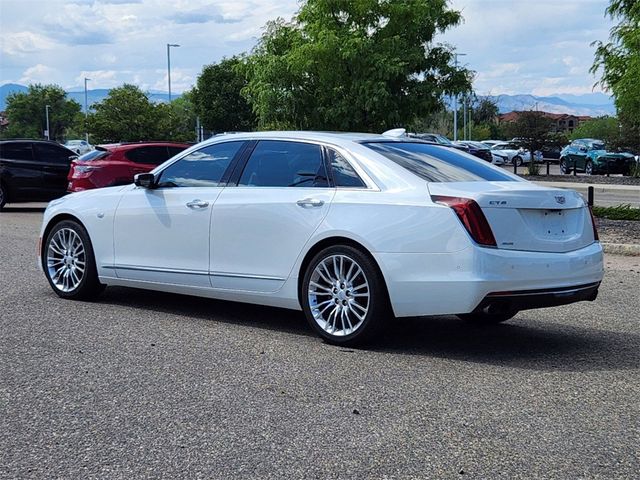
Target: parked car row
41, 170
497, 152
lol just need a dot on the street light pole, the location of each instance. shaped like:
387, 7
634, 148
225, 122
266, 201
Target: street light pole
169, 45
86, 111
464, 117
46, 112
455, 100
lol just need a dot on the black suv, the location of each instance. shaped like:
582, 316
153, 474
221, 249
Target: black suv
33, 170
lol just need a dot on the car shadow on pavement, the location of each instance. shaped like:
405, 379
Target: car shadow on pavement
255, 316
524, 342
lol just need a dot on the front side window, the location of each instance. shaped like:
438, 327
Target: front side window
438, 164
284, 164
343, 173
201, 168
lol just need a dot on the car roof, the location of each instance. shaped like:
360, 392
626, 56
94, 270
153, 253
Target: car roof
337, 138
38, 140
131, 145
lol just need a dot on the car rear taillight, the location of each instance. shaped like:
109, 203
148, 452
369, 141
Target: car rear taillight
593, 223
471, 216
83, 170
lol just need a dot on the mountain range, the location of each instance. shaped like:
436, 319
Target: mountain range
93, 96
592, 104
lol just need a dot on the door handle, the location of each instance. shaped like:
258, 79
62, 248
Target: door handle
310, 202
197, 204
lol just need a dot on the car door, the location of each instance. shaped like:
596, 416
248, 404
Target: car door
578, 153
20, 172
261, 225
55, 161
162, 234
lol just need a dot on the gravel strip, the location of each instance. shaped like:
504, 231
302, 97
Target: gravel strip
619, 231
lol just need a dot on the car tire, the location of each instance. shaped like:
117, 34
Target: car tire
4, 195
344, 296
485, 318
588, 168
564, 168
68, 262
516, 161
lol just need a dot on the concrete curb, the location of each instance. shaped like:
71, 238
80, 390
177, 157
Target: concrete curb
597, 187
627, 249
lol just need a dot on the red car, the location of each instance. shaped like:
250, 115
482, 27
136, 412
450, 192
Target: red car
117, 163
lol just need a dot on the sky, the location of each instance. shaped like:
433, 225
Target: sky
539, 47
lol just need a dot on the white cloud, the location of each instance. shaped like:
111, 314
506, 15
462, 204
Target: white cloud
99, 78
515, 46
20, 43
37, 74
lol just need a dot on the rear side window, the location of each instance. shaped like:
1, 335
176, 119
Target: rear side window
16, 151
285, 164
52, 153
96, 154
148, 155
173, 151
201, 168
343, 173
438, 164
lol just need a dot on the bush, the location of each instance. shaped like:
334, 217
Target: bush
621, 212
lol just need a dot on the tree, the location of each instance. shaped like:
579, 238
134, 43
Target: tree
126, 115
532, 131
218, 100
26, 112
360, 65
177, 120
619, 61
603, 128
485, 111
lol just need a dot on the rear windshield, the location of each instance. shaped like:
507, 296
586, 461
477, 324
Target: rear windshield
434, 163
93, 155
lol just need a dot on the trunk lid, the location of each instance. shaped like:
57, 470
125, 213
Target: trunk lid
526, 216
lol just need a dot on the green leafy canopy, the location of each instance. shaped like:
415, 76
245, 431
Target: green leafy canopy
358, 65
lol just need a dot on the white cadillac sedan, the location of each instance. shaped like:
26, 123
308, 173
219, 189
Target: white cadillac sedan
353, 229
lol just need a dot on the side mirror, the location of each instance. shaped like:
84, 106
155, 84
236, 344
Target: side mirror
145, 180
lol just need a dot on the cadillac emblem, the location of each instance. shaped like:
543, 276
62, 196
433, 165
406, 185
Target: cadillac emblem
560, 199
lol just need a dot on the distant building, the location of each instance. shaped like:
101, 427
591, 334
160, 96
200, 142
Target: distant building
562, 122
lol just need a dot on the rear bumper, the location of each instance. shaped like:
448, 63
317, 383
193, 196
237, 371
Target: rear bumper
546, 297
450, 283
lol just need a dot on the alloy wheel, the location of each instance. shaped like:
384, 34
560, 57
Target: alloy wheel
66, 260
339, 295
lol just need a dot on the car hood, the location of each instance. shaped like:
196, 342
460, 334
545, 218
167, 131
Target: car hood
605, 153
95, 192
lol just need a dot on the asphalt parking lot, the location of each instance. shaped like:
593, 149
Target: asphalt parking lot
153, 385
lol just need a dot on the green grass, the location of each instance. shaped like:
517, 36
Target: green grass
621, 212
